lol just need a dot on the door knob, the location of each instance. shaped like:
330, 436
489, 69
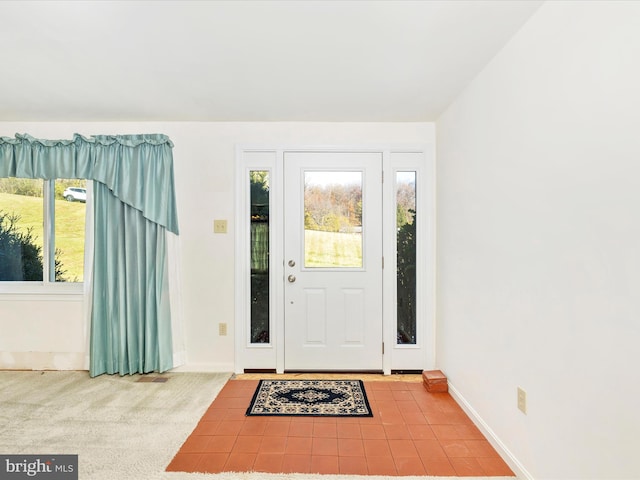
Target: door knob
291, 278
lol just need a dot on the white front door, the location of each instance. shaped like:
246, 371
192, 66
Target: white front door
333, 261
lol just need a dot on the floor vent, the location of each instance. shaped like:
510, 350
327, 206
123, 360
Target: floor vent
148, 379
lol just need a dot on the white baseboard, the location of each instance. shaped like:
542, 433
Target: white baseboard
493, 439
179, 359
205, 367
42, 361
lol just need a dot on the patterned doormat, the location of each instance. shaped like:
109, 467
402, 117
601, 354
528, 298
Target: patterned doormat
310, 398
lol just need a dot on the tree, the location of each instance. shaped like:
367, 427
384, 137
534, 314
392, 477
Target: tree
406, 203
406, 282
259, 194
332, 207
20, 256
401, 216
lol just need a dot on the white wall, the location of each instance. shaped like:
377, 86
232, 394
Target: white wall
539, 242
44, 332
204, 156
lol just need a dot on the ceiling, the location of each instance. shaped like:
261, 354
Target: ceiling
245, 60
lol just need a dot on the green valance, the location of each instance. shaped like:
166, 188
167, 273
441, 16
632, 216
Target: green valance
138, 169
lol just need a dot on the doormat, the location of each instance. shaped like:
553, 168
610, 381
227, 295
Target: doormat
310, 398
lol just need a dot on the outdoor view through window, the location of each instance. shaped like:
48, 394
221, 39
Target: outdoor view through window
333, 219
333, 239
23, 216
406, 257
259, 191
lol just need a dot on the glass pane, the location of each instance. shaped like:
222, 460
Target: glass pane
406, 257
21, 230
333, 219
70, 210
259, 193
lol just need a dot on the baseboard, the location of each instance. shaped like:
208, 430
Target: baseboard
493, 439
179, 359
205, 367
42, 361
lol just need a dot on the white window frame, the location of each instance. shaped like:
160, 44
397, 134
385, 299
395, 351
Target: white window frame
405, 357
247, 354
48, 286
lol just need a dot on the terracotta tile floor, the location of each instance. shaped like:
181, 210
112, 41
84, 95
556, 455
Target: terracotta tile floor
412, 432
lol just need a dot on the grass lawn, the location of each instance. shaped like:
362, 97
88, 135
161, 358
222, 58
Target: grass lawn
329, 249
69, 235
322, 249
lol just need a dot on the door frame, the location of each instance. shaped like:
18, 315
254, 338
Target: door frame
419, 158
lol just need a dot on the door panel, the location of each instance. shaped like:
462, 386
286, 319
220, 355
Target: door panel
333, 261
315, 301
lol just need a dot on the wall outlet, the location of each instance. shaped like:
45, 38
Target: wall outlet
522, 400
219, 226
222, 329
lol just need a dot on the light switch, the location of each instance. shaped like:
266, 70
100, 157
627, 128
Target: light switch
219, 226
522, 400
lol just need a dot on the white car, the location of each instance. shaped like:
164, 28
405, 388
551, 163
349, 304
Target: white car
75, 194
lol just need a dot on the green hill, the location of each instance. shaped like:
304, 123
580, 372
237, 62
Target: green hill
69, 234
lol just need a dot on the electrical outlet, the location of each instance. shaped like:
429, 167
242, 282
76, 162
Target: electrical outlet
219, 226
222, 329
522, 400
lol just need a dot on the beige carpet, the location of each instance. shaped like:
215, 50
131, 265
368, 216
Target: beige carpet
121, 428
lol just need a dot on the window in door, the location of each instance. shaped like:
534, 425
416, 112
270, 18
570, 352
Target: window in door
332, 219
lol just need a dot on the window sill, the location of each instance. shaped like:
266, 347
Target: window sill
39, 291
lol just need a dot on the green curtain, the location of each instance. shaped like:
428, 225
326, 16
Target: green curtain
134, 206
130, 329
138, 169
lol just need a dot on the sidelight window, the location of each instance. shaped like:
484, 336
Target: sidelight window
259, 193
406, 257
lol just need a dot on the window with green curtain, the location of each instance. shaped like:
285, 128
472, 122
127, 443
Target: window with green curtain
134, 207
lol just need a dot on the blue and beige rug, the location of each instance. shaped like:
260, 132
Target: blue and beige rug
311, 398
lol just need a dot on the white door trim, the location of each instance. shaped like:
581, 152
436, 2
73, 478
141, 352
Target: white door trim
419, 158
